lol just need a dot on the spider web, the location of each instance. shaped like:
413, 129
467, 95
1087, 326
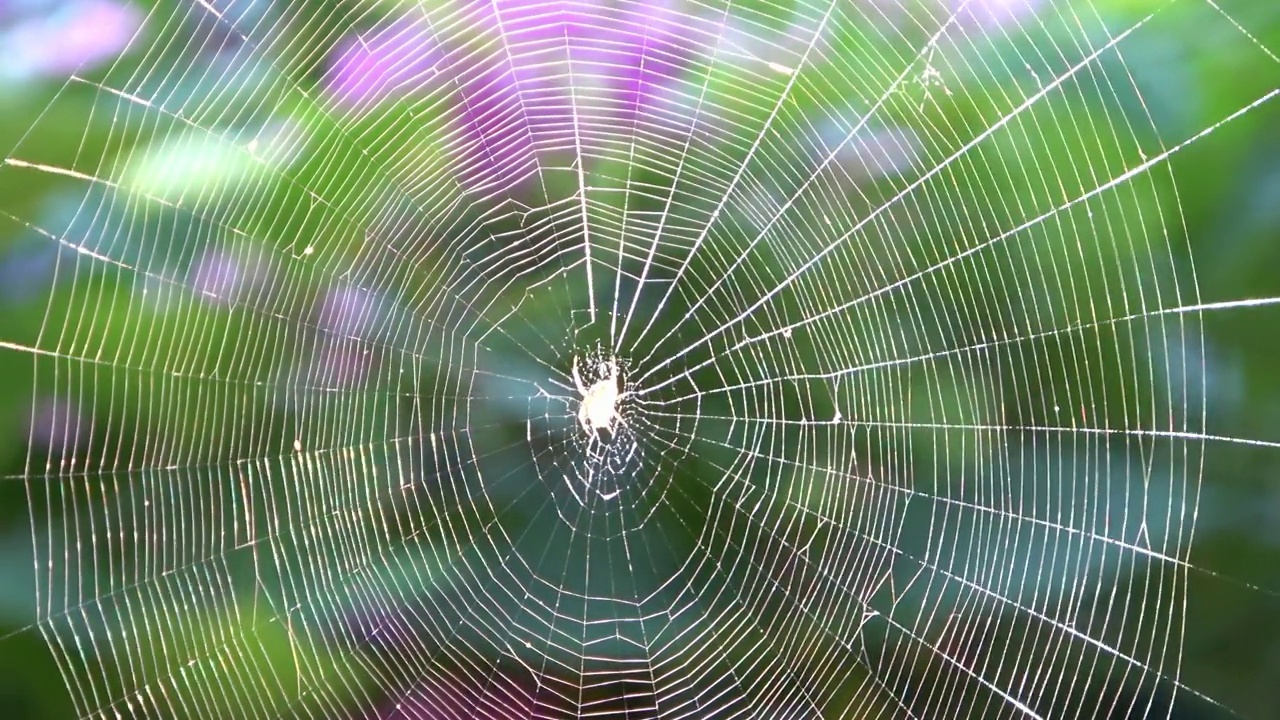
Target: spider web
896, 297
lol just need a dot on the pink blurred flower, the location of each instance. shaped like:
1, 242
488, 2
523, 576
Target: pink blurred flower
495, 137
628, 53
225, 276
350, 311
26, 270
216, 276
993, 14
560, 73
349, 318
57, 425
543, 70
72, 37
394, 60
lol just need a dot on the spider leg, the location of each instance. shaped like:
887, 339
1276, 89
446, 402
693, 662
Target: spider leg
577, 379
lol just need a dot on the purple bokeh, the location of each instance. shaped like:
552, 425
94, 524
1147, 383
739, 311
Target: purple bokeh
349, 311
628, 53
57, 426
217, 277
65, 38
523, 70
226, 276
349, 318
26, 270
993, 14
389, 61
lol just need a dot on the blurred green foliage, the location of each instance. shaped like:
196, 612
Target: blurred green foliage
305, 199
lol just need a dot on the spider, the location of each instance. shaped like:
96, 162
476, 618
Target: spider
598, 409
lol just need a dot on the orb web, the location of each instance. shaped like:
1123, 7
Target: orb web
908, 424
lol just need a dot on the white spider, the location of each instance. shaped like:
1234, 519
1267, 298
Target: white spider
598, 408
